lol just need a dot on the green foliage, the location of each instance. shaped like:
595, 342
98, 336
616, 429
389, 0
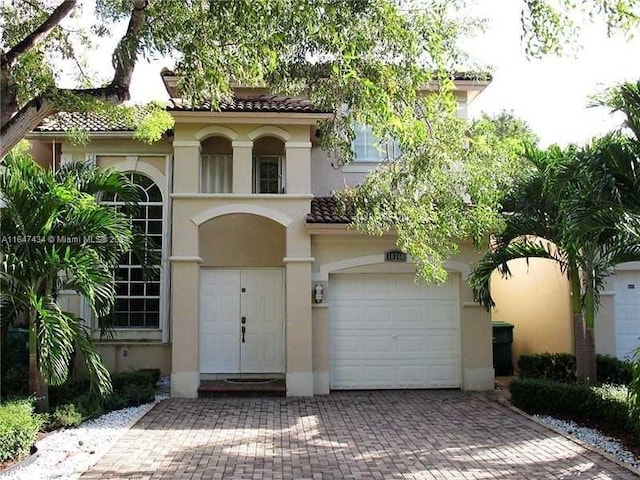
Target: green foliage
129, 389
579, 207
14, 363
561, 367
64, 416
148, 376
15, 379
389, 62
444, 189
552, 27
42, 209
153, 122
18, 429
129, 396
613, 371
576, 401
634, 386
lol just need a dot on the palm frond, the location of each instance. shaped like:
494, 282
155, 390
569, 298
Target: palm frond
55, 339
498, 260
86, 178
98, 372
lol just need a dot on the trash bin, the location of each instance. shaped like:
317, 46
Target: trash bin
502, 341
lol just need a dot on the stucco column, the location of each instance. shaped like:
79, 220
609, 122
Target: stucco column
299, 329
475, 341
321, 348
186, 161
185, 289
185, 371
242, 166
298, 167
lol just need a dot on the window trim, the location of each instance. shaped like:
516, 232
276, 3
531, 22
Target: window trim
161, 326
257, 160
164, 180
390, 150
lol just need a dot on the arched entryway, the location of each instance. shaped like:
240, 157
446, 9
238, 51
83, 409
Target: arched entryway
241, 298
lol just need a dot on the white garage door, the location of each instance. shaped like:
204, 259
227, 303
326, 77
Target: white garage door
627, 312
386, 331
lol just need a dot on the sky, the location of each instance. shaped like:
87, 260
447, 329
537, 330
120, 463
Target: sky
550, 94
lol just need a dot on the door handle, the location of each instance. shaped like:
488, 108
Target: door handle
243, 320
244, 329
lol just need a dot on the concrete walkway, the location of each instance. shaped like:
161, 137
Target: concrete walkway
348, 435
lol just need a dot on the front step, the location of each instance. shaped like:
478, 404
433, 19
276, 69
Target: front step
242, 388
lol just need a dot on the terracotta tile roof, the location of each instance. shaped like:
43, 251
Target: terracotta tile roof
325, 210
90, 121
95, 122
253, 103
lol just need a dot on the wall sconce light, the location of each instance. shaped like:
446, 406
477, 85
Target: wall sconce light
318, 293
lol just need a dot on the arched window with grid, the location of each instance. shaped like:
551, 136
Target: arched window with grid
138, 297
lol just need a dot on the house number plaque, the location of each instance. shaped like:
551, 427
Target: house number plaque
395, 256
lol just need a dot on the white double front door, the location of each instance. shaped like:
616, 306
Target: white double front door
241, 320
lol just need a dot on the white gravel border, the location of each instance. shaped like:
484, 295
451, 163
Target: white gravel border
68, 453
609, 456
592, 437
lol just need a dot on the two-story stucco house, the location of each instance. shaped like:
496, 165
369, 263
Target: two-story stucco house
259, 275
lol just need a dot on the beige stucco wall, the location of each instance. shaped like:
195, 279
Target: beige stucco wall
217, 145
247, 139
328, 176
133, 163
123, 357
269, 146
536, 299
44, 152
115, 146
241, 241
475, 326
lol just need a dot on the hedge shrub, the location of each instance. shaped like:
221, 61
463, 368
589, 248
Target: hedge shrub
551, 366
18, 429
66, 415
129, 389
613, 371
561, 367
576, 401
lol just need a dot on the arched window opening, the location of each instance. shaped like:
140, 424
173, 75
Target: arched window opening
138, 297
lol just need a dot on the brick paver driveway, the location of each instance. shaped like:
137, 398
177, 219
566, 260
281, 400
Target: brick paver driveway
350, 435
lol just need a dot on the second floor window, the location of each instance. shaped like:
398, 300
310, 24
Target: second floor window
268, 174
368, 148
216, 173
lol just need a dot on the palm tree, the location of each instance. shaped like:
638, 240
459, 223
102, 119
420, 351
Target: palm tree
556, 213
57, 236
533, 229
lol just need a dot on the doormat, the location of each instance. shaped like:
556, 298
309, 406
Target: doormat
252, 381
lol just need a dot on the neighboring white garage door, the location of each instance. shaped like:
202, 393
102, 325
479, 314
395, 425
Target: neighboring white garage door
627, 312
388, 332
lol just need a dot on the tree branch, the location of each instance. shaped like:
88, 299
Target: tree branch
126, 53
117, 91
39, 33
